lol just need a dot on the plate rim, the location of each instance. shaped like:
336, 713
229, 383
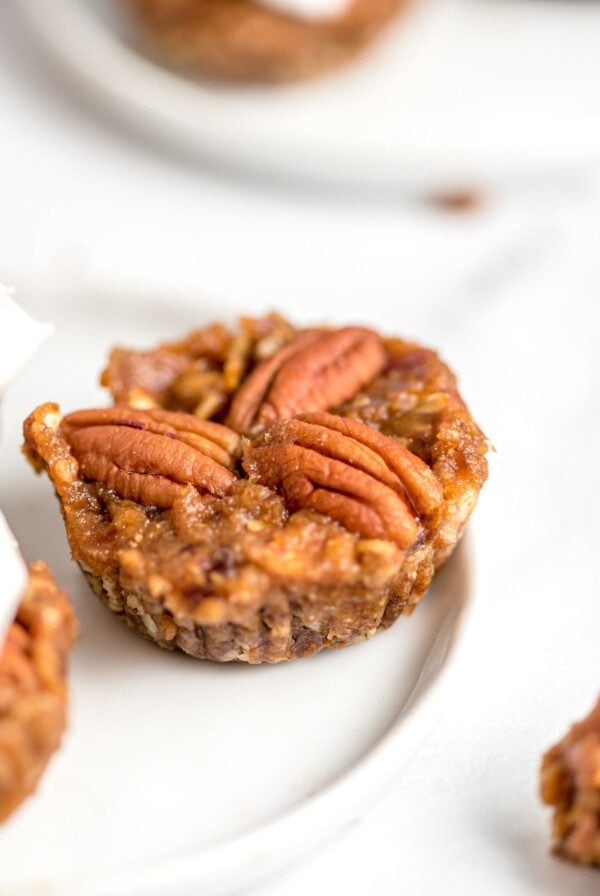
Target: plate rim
272, 845
218, 868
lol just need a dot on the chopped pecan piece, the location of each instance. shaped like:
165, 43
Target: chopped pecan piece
344, 469
142, 379
316, 371
197, 373
151, 456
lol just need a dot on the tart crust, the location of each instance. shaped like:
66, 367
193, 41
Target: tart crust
33, 688
243, 575
247, 41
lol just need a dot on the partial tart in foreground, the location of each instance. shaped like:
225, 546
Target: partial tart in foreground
262, 492
254, 41
570, 783
33, 688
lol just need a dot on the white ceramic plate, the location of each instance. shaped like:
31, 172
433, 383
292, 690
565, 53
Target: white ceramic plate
178, 776
458, 93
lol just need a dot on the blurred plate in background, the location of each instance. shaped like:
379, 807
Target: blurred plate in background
457, 94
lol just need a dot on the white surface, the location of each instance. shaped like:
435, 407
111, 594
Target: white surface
179, 774
456, 93
20, 337
308, 9
14, 577
511, 295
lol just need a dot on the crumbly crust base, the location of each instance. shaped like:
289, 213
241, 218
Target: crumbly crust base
33, 689
246, 41
293, 620
282, 629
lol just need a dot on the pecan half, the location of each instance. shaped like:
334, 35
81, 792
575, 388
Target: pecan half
318, 370
344, 469
151, 456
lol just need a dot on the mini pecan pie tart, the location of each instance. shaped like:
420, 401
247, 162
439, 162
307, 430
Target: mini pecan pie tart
571, 784
33, 691
261, 40
334, 477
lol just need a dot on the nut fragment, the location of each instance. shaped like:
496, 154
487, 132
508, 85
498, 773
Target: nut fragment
151, 456
316, 371
344, 469
196, 373
142, 379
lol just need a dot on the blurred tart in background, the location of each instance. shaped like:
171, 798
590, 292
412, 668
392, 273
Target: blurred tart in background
33, 685
570, 783
266, 41
37, 626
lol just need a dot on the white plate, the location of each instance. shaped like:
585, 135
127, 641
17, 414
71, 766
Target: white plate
457, 93
178, 776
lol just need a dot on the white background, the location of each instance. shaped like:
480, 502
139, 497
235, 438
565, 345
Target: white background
510, 295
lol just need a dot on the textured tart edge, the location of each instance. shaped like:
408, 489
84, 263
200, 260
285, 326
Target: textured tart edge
245, 41
31, 727
261, 641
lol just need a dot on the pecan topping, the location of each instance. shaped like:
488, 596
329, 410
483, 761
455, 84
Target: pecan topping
367, 481
151, 456
316, 371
